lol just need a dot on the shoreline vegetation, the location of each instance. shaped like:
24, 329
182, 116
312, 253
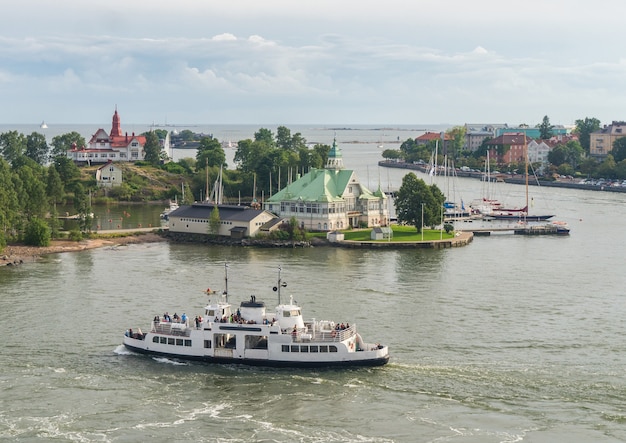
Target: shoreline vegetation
16, 254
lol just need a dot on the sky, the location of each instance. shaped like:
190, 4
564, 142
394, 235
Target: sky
312, 62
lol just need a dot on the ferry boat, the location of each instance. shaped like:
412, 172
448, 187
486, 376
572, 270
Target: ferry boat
252, 335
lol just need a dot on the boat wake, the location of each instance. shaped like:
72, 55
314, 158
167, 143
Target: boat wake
122, 350
169, 361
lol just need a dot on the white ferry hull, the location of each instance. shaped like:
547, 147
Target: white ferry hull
251, 335
282, 349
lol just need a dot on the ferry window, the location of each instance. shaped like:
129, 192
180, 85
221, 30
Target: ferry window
207, 344
324, 348
179, 342
163, 340
210, 313
187, 342
170, 341
256, 342
286, 314
295, 348
332, 348
304, 349
155, 339
285, 348
313, 348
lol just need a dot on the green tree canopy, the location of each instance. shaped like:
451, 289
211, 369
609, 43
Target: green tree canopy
152, 148
584, 128
63, 143
54, 185
214, 221
12, 145
416, 201
210, 152
37, 148
619, 149
545, 128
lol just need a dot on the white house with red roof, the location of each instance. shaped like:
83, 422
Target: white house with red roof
103, 147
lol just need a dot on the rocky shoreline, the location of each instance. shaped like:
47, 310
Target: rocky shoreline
15, 254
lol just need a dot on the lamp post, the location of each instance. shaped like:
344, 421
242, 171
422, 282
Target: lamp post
422, 227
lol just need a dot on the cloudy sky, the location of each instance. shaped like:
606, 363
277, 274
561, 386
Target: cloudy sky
312, 62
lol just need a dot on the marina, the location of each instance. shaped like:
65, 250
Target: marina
511, 338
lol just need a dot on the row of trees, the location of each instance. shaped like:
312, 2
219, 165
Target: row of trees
35, 177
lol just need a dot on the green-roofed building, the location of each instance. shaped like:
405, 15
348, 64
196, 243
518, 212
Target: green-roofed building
330, 198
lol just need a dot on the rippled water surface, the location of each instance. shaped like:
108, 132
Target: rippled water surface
508, 339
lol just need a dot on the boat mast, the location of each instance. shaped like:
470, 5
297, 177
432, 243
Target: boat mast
526, 170
279, 285
226, 281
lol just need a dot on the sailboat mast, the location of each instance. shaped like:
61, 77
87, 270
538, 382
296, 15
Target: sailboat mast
206, 193
226, 281
526, 169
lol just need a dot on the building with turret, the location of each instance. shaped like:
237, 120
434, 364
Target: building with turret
330, 198
115, 146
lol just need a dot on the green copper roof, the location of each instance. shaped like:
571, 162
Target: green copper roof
319, 185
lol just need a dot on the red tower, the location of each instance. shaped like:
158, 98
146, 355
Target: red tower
116, 129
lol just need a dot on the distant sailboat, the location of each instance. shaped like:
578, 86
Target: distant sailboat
43, 125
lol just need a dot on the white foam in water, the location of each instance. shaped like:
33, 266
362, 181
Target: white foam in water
168, 361
122, 350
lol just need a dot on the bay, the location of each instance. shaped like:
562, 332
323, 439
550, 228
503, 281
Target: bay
509, 339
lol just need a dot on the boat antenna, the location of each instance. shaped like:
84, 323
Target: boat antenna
279, 285
226, 281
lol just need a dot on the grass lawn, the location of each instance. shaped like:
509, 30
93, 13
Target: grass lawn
400, 233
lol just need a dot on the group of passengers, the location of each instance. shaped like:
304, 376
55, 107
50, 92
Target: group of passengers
341, 327
237, 318
138, 335
172, 319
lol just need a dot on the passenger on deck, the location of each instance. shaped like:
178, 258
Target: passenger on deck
184, 318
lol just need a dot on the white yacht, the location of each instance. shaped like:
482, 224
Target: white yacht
252, 335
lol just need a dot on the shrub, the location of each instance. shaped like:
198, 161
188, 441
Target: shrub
75, 235
37, 233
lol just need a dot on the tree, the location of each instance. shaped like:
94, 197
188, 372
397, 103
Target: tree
265, 135
392, 154
607, 168
416, 201
63, 143
210, 152
557, 155
152, 148
37, 148
12, 145
9, 202
619, 149
214, 221
187, 195
584, 128
54, 185
67, 169
545, 128
31, 188
458, 139
82, 207
37, 233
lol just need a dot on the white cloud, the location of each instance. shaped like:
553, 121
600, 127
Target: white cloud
312, 62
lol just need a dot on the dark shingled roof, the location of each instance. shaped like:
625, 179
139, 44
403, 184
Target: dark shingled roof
227, 212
